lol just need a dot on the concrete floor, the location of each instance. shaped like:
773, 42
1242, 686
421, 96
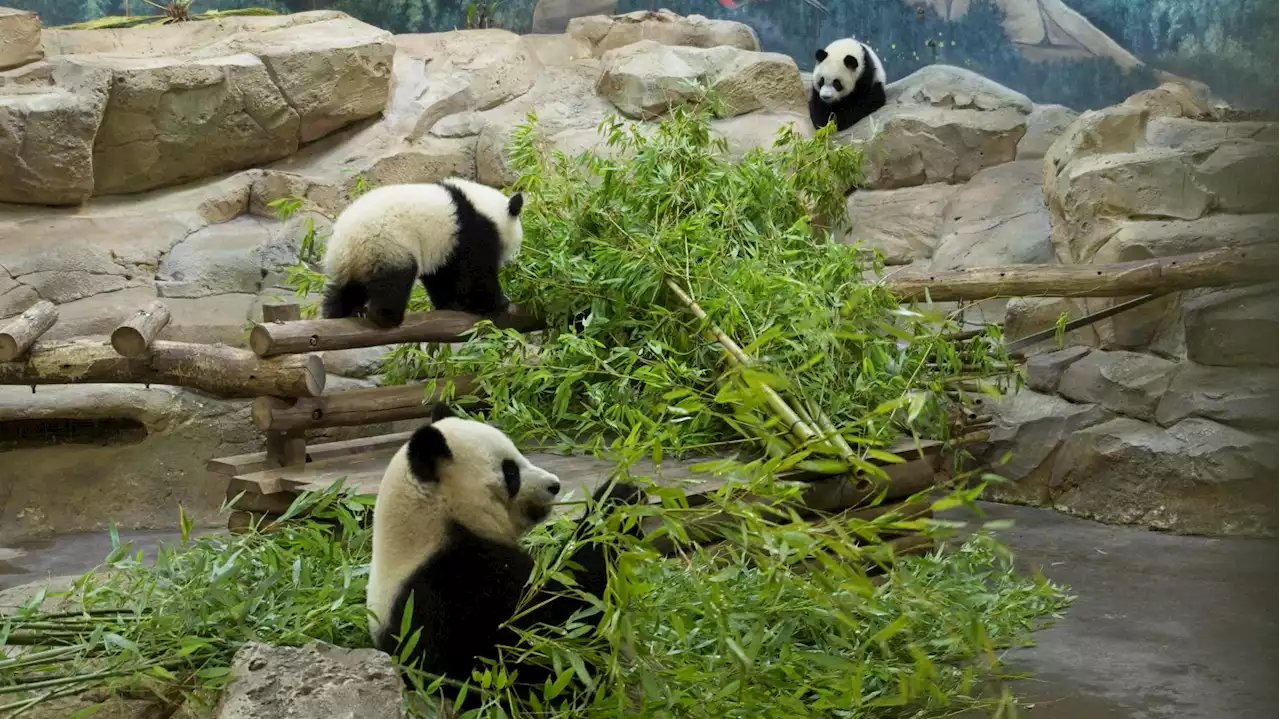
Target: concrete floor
1163, 627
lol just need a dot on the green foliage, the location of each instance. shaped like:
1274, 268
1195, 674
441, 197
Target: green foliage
603, 237
781, 621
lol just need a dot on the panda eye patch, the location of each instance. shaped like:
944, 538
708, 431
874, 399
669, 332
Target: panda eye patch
511, 476
837, 85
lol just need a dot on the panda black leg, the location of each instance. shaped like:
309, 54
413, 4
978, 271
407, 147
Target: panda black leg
389, 292
342, 299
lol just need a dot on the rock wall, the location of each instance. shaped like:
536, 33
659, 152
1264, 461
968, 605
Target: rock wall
1162, 416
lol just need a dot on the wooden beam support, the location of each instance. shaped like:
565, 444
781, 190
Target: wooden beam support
215, 369
287, 448
1216, 268
17, 336
349, 409
134, 336
276, 338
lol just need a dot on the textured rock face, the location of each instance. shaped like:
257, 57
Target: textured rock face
281, 683
607, 33
645, 79
1197, 476
998, 218
1030, 427
904, 225
49, 118
1045, 124
19, 38
144, 108
941, 124
1127, 383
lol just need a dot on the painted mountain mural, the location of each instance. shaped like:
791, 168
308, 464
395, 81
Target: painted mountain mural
1080, 53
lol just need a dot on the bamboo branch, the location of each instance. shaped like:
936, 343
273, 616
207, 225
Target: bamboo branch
1216, 268
797, 426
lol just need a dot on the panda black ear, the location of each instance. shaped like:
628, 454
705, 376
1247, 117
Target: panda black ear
820, 55
515, 204
440, 410
427, 448
851, 62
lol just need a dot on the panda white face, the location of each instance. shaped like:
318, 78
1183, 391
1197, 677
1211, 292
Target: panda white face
472, 473
840, 65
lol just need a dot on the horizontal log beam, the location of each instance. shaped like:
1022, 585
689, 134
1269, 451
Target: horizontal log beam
214, 369
277, 338
349, 409
1216, 268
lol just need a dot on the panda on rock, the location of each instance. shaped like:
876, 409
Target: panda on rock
454, 235
848, 84
451, 509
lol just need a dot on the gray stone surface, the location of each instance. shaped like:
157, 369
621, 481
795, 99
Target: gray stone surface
1128, 383
1044, 371
1242, 397
997, 218
1195, 477
663, 26
19, 38
1233, 327
1029, 429
948, 86
1045, 124
904, 225
316, 680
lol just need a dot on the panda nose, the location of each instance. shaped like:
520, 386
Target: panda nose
553, 487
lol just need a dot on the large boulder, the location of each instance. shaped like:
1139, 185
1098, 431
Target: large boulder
49, 117
940, 124
19, 38
1127, 383
316, 680
903, 225
1195, 477
604, 33
1044, 371
1045, 125
646, 79
1242, 397
1233, 327
997, 218
1029, 429
168, 104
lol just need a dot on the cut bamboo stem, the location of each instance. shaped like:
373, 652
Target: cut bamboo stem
797, 426
21, 332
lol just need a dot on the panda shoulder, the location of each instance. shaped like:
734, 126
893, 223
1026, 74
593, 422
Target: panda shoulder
877, 66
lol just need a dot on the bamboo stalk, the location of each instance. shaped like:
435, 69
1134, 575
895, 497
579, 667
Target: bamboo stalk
797, 426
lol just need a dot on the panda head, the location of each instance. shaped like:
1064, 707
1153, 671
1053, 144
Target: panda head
504, 212
472, 474
840, 66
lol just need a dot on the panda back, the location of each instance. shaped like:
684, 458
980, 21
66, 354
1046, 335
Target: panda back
393, 223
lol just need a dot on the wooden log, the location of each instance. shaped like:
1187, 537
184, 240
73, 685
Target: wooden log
134, 336
257, 461
17, 336
1216, 268
215, 369
277, 338
349, 409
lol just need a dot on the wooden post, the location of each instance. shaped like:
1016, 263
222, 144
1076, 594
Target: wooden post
1216, 268
289, 447
273, 338
22, 331
134, 336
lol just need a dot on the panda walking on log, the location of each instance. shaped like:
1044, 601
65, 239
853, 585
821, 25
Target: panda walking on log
451, 509
455, 235
848, 84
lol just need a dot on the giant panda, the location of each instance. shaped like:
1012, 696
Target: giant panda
848, 84
451, 509
454, 235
